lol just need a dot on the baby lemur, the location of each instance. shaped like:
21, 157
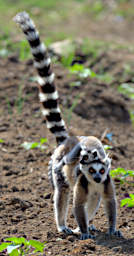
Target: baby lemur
78, 162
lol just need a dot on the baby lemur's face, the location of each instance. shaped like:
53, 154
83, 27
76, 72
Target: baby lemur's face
93, 167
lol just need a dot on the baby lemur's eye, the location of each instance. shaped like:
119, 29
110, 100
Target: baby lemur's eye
85, 157
91, 170
102, 171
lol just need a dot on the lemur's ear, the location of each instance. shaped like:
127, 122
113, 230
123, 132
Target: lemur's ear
95, 153
107, 161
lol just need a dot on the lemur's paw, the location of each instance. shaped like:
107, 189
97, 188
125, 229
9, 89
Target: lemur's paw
85, 236
65, 230
116, 233
92, 228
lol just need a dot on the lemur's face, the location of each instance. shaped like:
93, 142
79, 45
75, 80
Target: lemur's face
93, 167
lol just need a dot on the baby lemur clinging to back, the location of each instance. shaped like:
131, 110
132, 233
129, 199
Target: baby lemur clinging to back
78, 162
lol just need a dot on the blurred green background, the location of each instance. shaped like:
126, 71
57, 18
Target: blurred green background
58, 19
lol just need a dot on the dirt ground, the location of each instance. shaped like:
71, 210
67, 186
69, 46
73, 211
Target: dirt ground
26, 206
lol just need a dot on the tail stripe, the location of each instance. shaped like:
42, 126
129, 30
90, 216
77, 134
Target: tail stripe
48, 94
47, 88
56, 117
46, 112
42, 63
39, 49
44, 97
57, 128
57, 124
48, 79
50, 104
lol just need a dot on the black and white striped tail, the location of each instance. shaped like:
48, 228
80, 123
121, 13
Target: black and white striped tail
48, 94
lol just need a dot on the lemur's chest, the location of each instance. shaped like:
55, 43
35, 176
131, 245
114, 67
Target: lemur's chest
94, 188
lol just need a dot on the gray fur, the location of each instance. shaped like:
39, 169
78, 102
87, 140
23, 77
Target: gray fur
77, 161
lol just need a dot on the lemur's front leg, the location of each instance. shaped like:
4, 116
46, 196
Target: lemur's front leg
79, 201
109, 200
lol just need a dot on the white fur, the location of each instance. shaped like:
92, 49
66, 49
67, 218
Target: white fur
83, 152
42, 63
46, 112
52, 124
43, 80
32, 35
40, 48
44, 97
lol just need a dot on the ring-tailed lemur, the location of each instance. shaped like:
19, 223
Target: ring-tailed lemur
78, 162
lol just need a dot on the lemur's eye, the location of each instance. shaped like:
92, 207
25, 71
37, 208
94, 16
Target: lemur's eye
85, 157
102, 171
91, 170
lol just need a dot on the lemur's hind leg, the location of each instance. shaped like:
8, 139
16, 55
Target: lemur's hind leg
61, 200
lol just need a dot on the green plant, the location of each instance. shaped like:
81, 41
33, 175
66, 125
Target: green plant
67, 60
129, 201
32, 145
15, 246
121, 174
9, 106
105, 77
131, 113
24, 50
107, 147
81, 71
127, 89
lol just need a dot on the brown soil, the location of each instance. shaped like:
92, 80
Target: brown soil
26, 207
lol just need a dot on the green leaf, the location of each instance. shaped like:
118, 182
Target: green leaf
81, 71
128, 201
3, 246
76, 68
30, 145
106, 147
132, 196
67, 61
127, 89
1, 141
124, 202
34, 145
43, 140
15, 252
17, 240
37, 245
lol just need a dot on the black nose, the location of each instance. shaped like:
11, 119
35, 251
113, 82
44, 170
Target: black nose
97, 179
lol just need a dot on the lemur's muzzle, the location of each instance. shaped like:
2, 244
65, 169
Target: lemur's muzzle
97, 178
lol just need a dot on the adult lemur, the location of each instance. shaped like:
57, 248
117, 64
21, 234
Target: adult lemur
78, 162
